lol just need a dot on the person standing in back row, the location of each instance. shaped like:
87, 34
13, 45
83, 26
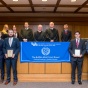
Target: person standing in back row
66, 34
39, 34
51, 34
26, 33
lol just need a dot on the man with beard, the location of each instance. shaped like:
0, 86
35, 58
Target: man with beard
11, 49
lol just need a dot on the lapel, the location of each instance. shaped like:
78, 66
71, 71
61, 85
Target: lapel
8, 41
12, 42
75, 42
79, 43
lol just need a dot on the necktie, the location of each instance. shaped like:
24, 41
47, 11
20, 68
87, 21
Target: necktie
10, 41
66, 32
77, 43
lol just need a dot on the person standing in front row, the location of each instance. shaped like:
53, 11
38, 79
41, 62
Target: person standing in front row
1, 58
77, 50
26, 33
11, 49
39, 34
51, 34
66, 34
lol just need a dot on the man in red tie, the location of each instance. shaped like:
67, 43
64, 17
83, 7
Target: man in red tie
66, 34
77, 50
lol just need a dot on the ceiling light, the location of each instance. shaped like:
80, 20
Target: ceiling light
73, 0
44, 0
15, 0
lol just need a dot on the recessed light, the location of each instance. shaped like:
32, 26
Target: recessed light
73, 0
44, 0
15, 0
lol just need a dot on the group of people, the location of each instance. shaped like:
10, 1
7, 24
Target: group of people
10, 47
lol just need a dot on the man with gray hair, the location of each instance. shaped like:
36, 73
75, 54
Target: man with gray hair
51, 34
39, 34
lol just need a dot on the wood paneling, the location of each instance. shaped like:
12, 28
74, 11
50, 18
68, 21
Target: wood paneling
53, 68
22, 68
36, 68
66, 68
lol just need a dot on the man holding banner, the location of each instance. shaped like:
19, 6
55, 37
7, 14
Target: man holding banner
77, 50
11, 49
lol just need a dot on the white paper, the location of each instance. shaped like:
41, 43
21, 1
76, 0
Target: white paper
77, 52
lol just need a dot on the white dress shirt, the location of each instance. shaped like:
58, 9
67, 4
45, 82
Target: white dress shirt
10, 41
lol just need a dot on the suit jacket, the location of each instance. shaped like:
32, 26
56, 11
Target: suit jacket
1, 49
51, 35
73, 46
15, 46
27, 34
66, 37
87, 46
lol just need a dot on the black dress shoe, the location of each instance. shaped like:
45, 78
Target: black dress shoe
80, 83
73, 82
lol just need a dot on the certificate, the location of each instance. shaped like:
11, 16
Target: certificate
9, 53
77, 52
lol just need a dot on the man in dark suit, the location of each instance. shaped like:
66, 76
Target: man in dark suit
39, 34
11, 49
1, 58
77, 50
51, 34
26, 34
66, 34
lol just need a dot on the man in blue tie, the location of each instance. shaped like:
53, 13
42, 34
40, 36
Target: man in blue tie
11, 49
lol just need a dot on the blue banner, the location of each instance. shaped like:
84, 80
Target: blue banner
44, 52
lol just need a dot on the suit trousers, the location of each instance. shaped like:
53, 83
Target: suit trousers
2, 61
11, 62
76, 63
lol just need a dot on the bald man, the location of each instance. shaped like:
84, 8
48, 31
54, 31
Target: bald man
51, 34
39, 34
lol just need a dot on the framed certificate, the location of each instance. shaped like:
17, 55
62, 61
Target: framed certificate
77, 52
9, 53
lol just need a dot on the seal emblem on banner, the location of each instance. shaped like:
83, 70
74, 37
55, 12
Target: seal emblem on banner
45, 51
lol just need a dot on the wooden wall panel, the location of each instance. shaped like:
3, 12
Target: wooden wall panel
66, 68
22, 68
53, 68
85, 64
36, 68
